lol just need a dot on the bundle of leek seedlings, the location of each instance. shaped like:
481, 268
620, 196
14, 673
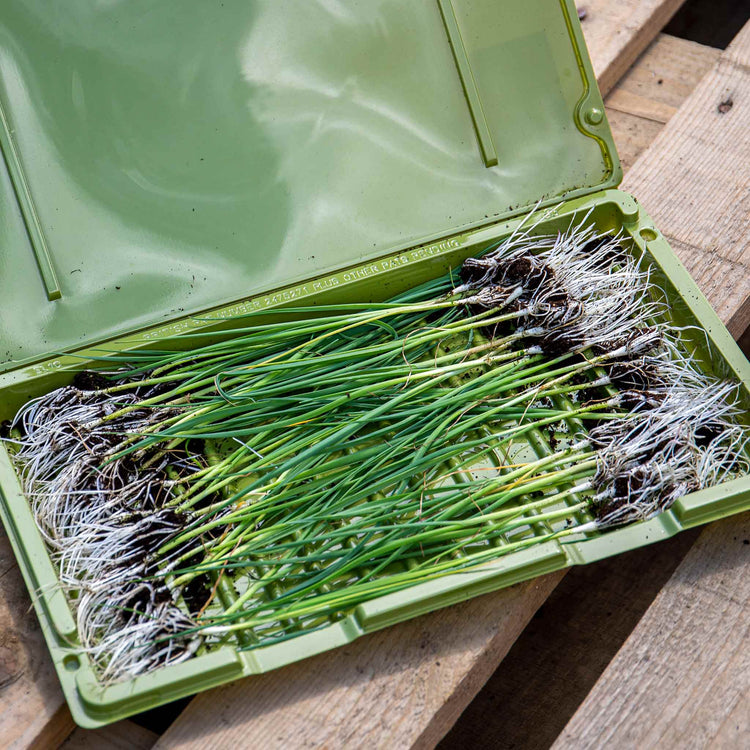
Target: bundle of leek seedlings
349, 451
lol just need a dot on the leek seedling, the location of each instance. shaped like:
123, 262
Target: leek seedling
350, 451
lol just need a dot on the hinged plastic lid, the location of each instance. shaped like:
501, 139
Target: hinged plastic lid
164, 158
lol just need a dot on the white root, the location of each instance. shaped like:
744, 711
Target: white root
102, 519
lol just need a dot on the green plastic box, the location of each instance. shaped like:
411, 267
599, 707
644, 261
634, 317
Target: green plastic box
173, 158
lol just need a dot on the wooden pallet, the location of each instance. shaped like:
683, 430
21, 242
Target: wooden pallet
682, 679
407, 685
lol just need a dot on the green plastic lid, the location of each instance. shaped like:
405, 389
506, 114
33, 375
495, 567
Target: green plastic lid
165, 158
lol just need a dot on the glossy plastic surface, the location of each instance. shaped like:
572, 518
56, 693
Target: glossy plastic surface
169, 157
93, 704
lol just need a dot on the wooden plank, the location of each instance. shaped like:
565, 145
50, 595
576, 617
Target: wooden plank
652, 90
123, 735
563, 651
617, 32
33, 712
695, 180
682, 679
632, 135
726, 284
664, 76
401, 687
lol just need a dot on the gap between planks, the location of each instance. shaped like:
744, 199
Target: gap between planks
122, 735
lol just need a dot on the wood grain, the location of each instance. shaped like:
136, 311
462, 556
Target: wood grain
664, 76
401, 687
32, 711
682, 679
695, 180
617, 32
652, 90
